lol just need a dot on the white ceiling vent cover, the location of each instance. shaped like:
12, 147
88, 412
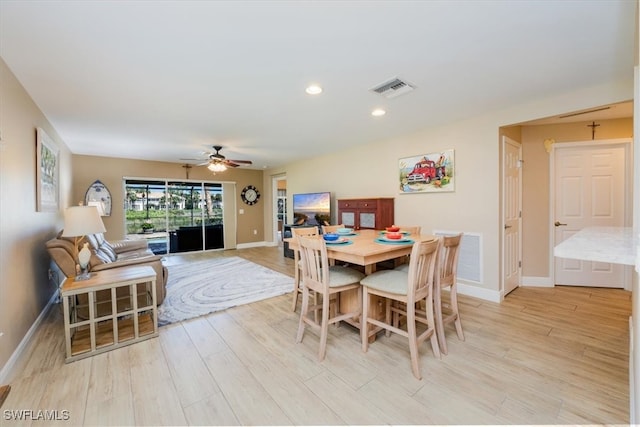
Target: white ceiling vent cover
392, 88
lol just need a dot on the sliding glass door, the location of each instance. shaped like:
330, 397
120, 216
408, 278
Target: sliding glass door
145, 213
185, 216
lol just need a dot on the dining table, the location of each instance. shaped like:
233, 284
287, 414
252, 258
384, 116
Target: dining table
367, 248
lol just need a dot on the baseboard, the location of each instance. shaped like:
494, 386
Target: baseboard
537, 281
251, 245
633, 392
7, 369
477, 292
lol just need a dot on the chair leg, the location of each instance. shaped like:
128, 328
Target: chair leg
364, 330
454, 307
296, 288
442, 339
303, 313
335, 308
432, 324
413, 341
387, 332
360, 308
324, 327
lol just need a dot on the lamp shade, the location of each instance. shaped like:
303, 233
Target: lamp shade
82, 220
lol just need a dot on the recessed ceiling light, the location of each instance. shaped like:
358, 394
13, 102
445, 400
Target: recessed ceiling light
378, 112
313, 90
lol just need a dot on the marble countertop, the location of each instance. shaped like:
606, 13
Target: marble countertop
617, 245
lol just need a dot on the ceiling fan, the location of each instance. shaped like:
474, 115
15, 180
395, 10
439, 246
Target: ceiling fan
218, 163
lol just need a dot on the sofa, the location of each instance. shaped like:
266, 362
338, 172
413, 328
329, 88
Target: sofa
107, 255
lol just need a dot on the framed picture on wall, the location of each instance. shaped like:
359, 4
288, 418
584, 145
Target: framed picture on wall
47, 173
427, 173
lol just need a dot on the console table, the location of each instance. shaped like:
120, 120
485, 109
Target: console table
130, 314
375, 214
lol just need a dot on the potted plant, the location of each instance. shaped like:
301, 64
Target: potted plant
147, 227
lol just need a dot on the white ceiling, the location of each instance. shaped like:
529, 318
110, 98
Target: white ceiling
165, 80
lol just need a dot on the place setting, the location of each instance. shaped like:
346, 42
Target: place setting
346, 232
336, 239
394, 236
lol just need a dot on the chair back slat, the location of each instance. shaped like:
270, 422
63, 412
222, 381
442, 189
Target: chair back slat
295, 232
422, 269
449, 258
304, 231
331, 228
313, 254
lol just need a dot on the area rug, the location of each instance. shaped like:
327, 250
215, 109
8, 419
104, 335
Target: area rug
202, 287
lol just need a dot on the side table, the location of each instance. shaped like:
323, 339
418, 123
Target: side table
128, 315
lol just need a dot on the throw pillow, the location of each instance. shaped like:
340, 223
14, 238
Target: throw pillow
102, 249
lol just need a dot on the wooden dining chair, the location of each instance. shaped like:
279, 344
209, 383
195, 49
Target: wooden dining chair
297, 289
413, 230
331, 228
328, 282
447, 269
407, 287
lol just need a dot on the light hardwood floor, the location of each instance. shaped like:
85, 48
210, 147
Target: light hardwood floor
543, 356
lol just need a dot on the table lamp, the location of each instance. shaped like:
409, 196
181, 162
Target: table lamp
78, 222
99, 205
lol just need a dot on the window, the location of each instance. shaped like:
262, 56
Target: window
174, 216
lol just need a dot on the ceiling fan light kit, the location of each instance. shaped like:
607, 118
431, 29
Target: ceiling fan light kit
217, 167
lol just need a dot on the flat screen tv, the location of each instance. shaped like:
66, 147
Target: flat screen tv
312, 208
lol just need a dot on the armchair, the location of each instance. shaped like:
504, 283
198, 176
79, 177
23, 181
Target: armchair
105, 255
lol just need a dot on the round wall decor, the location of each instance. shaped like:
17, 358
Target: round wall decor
250, 195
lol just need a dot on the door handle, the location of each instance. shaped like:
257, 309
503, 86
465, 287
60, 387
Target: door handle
558, 224
506, 226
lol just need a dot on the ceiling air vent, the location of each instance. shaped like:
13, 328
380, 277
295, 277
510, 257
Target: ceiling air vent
392, 88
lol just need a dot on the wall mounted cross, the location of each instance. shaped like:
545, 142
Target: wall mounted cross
593, 127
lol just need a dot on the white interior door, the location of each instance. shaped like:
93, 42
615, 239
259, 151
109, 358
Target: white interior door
590, 189
512, 207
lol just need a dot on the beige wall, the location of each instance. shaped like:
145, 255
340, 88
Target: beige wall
536, 185
474, 206
24, 285
111, 171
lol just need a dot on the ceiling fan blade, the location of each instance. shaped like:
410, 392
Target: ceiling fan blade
217, 158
